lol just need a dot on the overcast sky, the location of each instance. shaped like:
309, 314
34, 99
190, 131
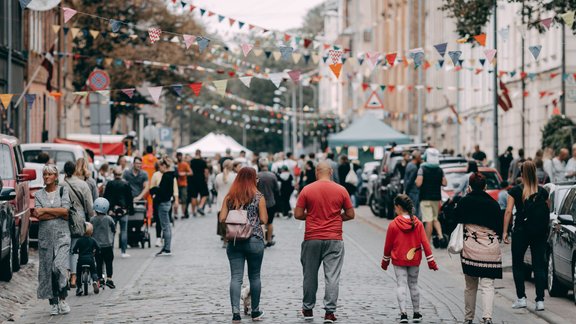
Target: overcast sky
271, 14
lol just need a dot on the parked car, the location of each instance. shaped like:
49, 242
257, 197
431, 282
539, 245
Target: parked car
14, 207
562, 247
367, 171
34, 186
60, 153
455, 175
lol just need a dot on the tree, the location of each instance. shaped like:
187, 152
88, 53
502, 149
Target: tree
313, 23
558, 133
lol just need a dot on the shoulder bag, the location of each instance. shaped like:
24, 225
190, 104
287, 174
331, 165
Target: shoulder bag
351, 177
456, 243
75, 220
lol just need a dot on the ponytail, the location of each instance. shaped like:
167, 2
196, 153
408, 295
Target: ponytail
407, 205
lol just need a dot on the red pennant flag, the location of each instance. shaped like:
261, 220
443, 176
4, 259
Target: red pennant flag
232, 21
336, 68
128, 92
391, 58
526, 93
365, 86
478, 71
523, 75
391, 88
326, 46
504, 100
555, 111
546, 22
481, 39
211, 13
196, 88
553, 75
429, 89
250, 27
427, 65
542, 94
192, 7
307, 42
502, 73
405, 61
287, 37
231, 74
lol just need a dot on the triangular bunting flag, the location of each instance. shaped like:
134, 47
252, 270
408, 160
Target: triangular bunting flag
268, 53
336, 68
482, 61
196, 87
418, 58
257, 51
221, 86
241, 24
568, 18
504, 33
276, 55
128, 92
188, 40
315, 58
440, 63
231, 21
294, 75
286, 52
74, 31
441, 48
391, 58
221, 18
5, 99
104, 93
373, 57
535, 50
202, 43
154, 34
481, 39
155, 93
202, 12
325, 58
307, 42
335, 56
546, 23
490, 54
56, 28
307, 58
68, 13
30, 98
296, 57
246, 48
455, 56
116, 24
177, 88
276, 78
24, 3
246, 81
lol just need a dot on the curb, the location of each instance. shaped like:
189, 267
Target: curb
545, 315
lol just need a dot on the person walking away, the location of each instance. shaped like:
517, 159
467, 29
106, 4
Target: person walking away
481, 256
268, 186
222, 184
81, 199
462, 189
155, 182
405, 240
119, 196
514, 172
198, 186
503, 196
505, 161
323, 242
184, 171
242, 159
334, 166
163, 195
559, 166
530, 230
291, 163
82, 172
478, 155
86, 248
343, 169
547, 157
410, 187
430, 180
400, 167
51, 206
286, 189
541, 175
309, 173
104, 231
571, 165
227, 156
244, 195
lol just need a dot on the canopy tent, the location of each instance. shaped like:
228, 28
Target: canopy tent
111, 144
213, 144
368, 131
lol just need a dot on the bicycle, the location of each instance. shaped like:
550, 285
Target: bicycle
86, 278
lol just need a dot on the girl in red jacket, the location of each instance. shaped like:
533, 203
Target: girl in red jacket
405, 240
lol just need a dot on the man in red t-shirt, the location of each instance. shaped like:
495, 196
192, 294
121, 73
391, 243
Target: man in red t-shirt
320, 204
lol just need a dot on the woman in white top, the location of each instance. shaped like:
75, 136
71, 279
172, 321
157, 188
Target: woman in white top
222, 184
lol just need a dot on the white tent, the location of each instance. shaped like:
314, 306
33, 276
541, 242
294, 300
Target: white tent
213, 144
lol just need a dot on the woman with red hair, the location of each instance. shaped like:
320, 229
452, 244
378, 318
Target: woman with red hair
244, 195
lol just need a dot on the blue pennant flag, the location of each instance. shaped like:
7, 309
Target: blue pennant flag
177, 88
325, 58
535, 50
202, 43
460, 62
286, 52
24, 3
202, 12
118, 62
343, 59
441, 63
482, 61
241, 24
441, 48
360, 61
220, 18
512, 73
455, 56
99, 60
532, 76
66, 30
30, 98
183, 4
268, 53
116, 24
418, 58
307, 58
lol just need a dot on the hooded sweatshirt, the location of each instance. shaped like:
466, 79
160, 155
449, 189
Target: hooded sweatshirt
405, 240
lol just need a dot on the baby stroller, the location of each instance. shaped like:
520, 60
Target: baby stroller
138, 225
447, 221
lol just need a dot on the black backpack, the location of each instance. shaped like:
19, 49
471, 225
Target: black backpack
534, 219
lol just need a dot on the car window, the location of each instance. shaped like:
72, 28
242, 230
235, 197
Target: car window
6, 164
568, 202
454, 180
60, 157
18, 155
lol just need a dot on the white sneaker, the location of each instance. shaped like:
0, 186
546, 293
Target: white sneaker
125, 255
54, 310
521, 303
158, 242
64, 307
539, 306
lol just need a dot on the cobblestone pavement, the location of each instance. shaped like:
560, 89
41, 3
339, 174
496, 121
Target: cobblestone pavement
192, 285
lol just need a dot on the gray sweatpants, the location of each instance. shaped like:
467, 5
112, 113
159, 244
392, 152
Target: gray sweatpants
407, 279
331, 254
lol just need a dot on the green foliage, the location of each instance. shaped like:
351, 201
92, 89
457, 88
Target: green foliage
558, 133
313, 21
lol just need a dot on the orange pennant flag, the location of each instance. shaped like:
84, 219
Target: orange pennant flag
481, 39
336, 68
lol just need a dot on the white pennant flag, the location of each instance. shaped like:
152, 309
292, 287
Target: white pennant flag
221, 86
188, 40
155, 93
246, 81
246, 48
276, 78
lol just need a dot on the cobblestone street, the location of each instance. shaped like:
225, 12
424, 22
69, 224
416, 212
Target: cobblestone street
192, 285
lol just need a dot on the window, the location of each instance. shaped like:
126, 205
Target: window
568, 202
60, 157
6, 164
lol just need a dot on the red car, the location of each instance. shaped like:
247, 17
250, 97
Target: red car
14, 207
455, 176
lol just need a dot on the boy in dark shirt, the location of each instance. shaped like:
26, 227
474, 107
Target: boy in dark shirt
86, 247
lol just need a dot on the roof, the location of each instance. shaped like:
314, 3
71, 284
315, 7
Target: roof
368, 131
7, 139
213, 144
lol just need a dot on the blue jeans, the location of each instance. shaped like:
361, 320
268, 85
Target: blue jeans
164, 216
251, 251
123, 232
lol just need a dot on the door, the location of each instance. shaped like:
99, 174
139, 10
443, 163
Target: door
562, 241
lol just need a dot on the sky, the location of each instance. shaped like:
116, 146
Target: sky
271, 14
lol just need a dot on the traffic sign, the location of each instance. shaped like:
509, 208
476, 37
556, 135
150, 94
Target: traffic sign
374, 102
98, 80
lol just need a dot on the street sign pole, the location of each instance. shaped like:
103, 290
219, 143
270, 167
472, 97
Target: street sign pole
495, 88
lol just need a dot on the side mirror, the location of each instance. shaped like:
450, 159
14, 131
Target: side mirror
27, 175
566, 219
7, 194
375, 171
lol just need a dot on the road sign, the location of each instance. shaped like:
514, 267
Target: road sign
98, 80
374, 102
166, 137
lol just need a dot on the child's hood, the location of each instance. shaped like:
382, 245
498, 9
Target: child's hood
405, 224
